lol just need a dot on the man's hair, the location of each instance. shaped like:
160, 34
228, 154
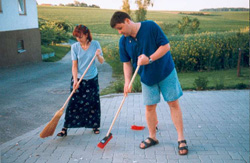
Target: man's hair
118, 17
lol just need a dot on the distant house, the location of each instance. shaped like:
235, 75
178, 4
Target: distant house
20, 40
46, 4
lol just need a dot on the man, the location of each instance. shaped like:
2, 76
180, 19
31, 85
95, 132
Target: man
146, 45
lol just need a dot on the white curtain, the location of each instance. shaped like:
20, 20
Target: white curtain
21, 6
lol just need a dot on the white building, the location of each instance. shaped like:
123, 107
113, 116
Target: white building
20, 40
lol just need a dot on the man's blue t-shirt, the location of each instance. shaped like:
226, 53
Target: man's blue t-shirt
148, 39
84, 57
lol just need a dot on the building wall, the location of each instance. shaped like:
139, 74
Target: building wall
11, 20
15, 27
9, 55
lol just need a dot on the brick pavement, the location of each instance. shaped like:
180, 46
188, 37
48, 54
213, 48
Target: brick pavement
216, 126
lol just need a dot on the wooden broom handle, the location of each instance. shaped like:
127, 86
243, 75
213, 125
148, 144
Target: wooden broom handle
73, 91
124, 97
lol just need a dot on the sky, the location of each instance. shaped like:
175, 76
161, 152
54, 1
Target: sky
170, 5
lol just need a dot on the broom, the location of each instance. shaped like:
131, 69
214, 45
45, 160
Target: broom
49, 129
109, 136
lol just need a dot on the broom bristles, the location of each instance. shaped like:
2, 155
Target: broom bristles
49, 129
134, 127
104, 141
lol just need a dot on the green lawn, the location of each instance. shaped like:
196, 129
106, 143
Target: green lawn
60, 52
226, 77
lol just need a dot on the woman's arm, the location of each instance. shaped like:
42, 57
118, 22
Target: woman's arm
99, 57
74, 73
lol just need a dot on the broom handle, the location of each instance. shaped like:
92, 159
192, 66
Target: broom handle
73, 91
124, 97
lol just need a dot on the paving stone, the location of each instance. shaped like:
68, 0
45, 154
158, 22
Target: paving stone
214, 126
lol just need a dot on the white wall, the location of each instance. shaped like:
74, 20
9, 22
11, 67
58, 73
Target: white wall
11, 20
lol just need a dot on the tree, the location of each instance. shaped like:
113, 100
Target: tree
126, 7
77, 3
187, 25
65, 26
142, 9
194, 26
94, 6
83, 5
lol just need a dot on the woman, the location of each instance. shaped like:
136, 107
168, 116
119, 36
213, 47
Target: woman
84, 107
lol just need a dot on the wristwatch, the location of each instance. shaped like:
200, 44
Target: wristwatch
150, 60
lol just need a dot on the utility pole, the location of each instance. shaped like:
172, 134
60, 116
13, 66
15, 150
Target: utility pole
238, 66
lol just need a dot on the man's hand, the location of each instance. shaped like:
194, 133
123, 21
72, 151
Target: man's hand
127, 89
143, 60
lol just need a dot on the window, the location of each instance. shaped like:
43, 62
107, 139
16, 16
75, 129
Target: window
22, 7
1, 6
20, 47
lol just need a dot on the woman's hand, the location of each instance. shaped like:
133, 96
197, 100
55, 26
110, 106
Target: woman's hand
98, 55
98, 52
75, 86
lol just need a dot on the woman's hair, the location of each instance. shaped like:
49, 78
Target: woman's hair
82, 29
118, 17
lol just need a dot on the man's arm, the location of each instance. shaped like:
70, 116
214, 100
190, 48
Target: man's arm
127, 70
160, 52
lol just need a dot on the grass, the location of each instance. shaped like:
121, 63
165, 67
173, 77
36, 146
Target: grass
228, 79
60, 52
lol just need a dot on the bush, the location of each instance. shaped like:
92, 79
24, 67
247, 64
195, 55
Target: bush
137, 84
209, 51
219, 84
112, 57
119, 86
200, 83
53, 32
241, 86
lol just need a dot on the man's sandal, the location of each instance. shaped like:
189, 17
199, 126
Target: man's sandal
62, 133
96, 131
184, 148
151, 143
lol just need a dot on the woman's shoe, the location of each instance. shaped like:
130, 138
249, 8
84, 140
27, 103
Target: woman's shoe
96, 131
62, 133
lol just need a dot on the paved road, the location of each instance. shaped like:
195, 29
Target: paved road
216, 128
30, 94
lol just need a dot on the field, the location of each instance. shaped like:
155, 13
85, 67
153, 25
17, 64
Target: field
98, 19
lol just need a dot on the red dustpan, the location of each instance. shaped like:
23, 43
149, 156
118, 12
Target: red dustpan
134, 127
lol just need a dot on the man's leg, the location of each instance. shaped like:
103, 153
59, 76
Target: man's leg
176, 116
151, 118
